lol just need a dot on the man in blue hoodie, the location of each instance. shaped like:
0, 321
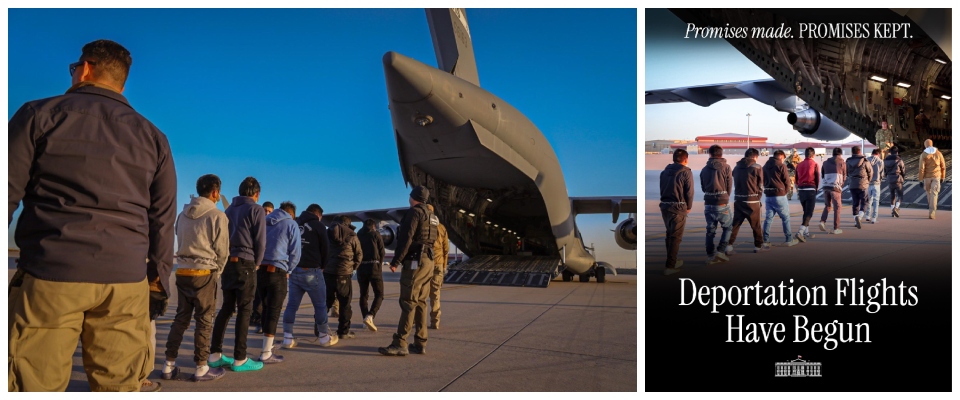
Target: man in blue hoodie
281, 255
248, 238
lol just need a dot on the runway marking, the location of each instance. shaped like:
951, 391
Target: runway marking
508, 339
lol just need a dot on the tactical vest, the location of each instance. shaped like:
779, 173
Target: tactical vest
428, 231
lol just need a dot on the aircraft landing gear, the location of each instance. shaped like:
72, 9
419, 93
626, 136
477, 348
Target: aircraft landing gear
601, 274
585, 277
567, 276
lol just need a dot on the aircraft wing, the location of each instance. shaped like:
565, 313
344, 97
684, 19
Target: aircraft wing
386, 214
603, 205
768, 92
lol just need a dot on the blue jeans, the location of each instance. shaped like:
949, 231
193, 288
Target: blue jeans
718, 215
777, 206
309, 281
873, 201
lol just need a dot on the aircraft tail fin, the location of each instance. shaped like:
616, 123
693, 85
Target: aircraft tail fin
451, 42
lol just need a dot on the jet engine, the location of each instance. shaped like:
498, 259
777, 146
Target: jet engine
626, 234
810, 123
389, 234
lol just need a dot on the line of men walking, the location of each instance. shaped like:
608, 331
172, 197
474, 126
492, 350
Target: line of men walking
747, 180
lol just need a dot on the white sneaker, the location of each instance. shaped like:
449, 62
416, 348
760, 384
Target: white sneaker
837, 232
368, 321
289, 343
722, 257
328, 340
791, 243
823, 226
729, 250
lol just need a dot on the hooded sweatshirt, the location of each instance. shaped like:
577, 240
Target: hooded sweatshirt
834, 174
776, 179
345, 251
808, 175
876, 167
203, 236
313, 241
932, 164
748, 179
371, 244
676, 188
283, 241
859, 172
716, 181
248, 232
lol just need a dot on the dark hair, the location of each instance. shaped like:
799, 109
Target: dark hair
268, 204
109, 60
875, 152
751, 153
369, 223
837, 151
894, 149
207, 184
314, 208
680, 156
249, 187
855, 150
344, 219
288, 207
809, 152
779, 153
716, 151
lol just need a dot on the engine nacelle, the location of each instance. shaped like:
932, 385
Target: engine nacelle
810, 123
626, 234
389, 234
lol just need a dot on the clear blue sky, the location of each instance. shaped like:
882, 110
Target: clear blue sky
296, 98
672, 61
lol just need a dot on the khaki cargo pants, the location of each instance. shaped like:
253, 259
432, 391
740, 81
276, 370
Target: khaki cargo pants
436, 280
47, 318
414, 290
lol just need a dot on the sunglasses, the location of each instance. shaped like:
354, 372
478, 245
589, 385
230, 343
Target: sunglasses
74, 66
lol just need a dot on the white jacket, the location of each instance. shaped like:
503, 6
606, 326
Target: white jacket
203, 236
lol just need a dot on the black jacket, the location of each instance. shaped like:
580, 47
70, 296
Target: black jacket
716, 181
313, 241
98, 187
345, 251
676, 188
859, 172
748, 180
776, 178
373, 252
893, 165
407, 246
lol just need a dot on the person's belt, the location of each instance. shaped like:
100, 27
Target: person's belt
308, 269
715, 194
192, 272
234, 259
807, 189
370, 262
673, 202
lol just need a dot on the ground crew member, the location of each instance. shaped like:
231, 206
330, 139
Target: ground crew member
933, 170
884, 138
441, 249
86, 228
414, 254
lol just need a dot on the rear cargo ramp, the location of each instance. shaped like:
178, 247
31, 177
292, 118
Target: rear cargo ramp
497, 270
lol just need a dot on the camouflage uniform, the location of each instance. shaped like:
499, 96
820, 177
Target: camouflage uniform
883, 137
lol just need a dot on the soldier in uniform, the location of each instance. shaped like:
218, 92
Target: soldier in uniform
884, 139
414, 254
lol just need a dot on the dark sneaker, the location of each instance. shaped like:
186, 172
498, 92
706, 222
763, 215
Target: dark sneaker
417, 349
348, 335
173, 374
223, 361
211, 375
393, 351
149, 386
274, 359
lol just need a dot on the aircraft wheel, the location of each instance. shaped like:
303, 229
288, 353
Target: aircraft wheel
567, 276
585, 277
601, 274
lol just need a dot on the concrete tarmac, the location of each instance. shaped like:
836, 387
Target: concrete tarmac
570, 336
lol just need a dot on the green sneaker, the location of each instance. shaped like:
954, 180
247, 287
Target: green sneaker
249, 365
222, 362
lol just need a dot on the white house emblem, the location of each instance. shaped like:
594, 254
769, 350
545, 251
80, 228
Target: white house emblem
798, 369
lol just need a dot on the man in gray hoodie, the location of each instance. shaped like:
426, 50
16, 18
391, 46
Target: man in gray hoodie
203, 245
